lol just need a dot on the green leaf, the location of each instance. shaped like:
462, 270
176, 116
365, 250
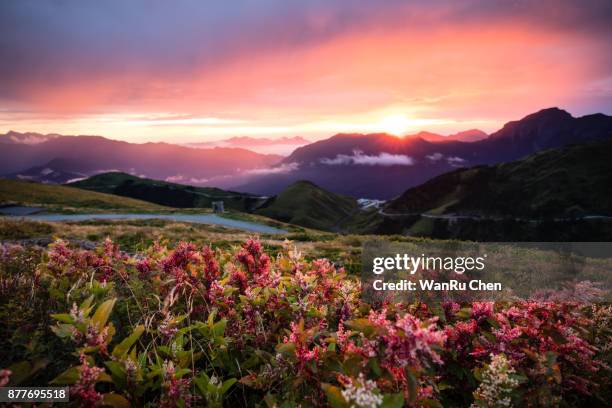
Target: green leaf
24, 370
286, 348
103, 377
103, 313
334, 396
218, 328
114, 401
227, 384
68, 377
63, 317
393, 401
431, 403
464, 313
373, 364
86, 305
62, 330
201, 383
123, 348
362, 325
117, 373
412, 385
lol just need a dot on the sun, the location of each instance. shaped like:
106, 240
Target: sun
396, 125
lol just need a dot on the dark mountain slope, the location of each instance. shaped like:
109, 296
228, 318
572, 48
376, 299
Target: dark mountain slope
168, 194
575, 180
57, 171
303, 203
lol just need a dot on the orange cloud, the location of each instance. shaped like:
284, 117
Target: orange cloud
450, 76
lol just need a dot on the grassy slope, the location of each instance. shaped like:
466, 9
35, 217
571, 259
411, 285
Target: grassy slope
165, 193
573, 180
63, 197
305, 204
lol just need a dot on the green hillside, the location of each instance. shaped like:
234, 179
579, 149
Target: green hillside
165, 193
573, 181
62, 197
303, 203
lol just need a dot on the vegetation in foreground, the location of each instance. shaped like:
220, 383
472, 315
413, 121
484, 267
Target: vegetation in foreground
64, 198
196, 325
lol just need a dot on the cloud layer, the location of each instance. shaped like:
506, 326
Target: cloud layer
358, 158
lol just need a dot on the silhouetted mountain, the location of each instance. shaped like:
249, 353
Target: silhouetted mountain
167, 194
471, 135
155, 160
383, 166
57, 171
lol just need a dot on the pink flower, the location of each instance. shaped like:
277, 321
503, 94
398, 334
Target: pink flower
415, 344
175, 392
482, 310
84, 389
256, 262
5, 377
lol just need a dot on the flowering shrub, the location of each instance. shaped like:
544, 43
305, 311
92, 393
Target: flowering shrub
195, 326
498, 382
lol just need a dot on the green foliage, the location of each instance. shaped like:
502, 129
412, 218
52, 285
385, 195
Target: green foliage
197, 326
165, 193
56, 196
305, 204
568, 182
14, 230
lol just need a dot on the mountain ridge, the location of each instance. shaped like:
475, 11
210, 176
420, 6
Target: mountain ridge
155, 160
166, 193
382, 166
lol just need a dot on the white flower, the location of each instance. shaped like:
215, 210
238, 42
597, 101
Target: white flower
497, 383
362, 393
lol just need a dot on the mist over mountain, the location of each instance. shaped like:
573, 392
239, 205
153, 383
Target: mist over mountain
283, 145
28, 138
382, 166
57, 171
96, 154
471, 135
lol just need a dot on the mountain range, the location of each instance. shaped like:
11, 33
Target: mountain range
90, 155
555, 194
384, 166
373, 166
471, 135
283, 145
565, 191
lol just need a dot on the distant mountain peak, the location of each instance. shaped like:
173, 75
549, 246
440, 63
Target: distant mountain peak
549, 113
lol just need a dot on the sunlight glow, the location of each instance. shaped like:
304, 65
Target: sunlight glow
396, 125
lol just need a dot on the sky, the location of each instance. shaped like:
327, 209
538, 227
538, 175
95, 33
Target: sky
196, 71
